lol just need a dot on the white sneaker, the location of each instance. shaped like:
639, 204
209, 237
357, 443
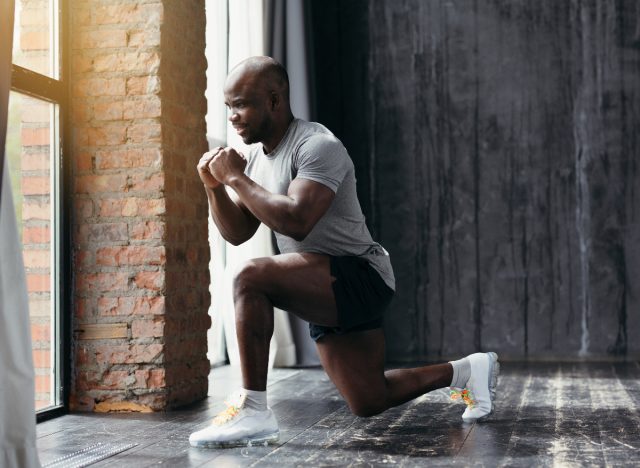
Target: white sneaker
480, 390
238, 426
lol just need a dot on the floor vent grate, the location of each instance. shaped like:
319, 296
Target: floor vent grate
88, 455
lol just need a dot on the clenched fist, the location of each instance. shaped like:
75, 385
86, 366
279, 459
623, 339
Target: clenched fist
203, 169
226, 164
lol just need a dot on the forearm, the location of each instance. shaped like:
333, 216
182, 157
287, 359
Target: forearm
280, 213
234, 224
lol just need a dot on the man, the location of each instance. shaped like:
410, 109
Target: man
300, 182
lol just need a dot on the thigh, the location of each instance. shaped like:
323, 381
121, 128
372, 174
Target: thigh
355, 364
299, 283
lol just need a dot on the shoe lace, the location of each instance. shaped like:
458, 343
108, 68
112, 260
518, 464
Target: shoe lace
233, 408
465, 395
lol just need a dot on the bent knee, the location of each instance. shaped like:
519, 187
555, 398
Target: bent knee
250, 275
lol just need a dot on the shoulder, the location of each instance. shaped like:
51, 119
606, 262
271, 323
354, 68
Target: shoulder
322, 142
315, 137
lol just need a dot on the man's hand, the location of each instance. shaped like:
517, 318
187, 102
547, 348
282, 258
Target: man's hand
227, 164
203, 169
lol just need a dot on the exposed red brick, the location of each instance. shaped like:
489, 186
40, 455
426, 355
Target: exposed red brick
141, 378
144, 133
34, 17
110, 306
149, 305
151, 280
36, 235
36, 185
84, 161
144, 38
35, 40
83, 306
108, 110
148, 230
83, 209
36, 161
148, 328
129, 354
99, 87
130, 255
101, 183
143, 85
102, 38
36, 209
41, 358
43, 383
116, 159
147, 62
102, 282
40, 332
105, 232
107, 135
38, 283
128, 13
145, 108
132, 206
112, 379
157, 378
81, 64
142, 182
36, 258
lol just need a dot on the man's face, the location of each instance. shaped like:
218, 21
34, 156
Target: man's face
248, 104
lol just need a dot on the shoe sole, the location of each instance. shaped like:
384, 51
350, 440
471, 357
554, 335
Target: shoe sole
494, 370
247, 442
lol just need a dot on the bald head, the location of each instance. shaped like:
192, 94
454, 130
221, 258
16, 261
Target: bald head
263, 72
257, 95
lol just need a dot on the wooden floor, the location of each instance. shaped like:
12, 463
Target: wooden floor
569, 414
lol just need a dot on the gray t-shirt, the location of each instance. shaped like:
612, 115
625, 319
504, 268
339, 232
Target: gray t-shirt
310, 151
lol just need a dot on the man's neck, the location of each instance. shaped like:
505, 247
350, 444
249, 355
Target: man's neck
279, 132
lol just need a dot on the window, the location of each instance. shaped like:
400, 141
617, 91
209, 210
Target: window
35, 150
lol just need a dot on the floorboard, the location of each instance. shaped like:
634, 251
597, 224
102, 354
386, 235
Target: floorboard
547, 414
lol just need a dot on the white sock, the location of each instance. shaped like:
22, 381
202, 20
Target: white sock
461, 372
255, 399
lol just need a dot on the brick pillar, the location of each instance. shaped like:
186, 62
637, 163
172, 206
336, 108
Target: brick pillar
140, 217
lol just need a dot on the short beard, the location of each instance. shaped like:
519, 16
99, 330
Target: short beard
260, 134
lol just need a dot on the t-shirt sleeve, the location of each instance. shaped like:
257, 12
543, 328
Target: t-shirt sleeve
323, 159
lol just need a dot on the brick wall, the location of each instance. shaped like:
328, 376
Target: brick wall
140, 232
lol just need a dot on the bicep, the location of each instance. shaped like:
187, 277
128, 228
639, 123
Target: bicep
312, 199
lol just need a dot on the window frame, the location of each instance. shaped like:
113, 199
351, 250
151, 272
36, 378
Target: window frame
56, 91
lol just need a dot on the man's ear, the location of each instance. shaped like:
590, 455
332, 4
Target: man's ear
275, 100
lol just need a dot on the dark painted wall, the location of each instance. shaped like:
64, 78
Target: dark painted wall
497, 146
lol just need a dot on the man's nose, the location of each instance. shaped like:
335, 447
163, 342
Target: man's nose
233, 116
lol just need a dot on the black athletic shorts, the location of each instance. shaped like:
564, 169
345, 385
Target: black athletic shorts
361, 297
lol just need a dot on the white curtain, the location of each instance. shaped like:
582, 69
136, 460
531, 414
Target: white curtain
287, 38
17, 393
235, 32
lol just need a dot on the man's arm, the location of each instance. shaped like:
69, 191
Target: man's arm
236, 224
293, 215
